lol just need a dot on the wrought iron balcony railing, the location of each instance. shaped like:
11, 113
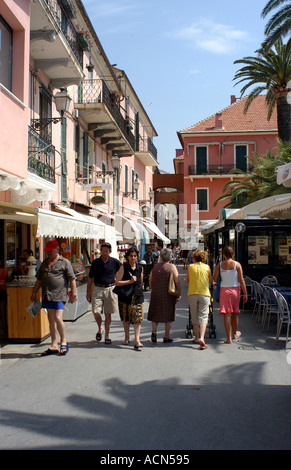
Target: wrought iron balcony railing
65, 24
96, 91
41, 156
211, 169
146, 145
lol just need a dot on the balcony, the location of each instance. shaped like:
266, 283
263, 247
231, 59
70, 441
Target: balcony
147, 152
54, 43
98, 106
41, 157
211, 170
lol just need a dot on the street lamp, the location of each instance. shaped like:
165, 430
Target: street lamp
62, 102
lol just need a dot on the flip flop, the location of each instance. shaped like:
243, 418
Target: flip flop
98, 336
64, 349
49, 352
202, 344
125, 342
108, 341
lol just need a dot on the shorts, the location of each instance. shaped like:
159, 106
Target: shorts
199, 308
131, 313
104, 298
229, 299
49, 304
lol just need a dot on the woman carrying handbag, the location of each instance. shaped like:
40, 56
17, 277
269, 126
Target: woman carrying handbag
131, 306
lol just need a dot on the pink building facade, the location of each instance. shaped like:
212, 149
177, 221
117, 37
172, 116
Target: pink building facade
218, 144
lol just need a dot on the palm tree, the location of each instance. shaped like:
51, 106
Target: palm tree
270, 72
279, 24
260, 182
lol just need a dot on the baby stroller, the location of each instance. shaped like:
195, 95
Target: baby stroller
211, 327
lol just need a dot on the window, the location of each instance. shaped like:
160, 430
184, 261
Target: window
201, 160
202, 199
5, 54
240, 157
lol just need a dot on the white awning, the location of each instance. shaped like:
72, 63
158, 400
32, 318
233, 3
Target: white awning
284, 175
127, 228
280, 208
76, 225
24, 214
151, 226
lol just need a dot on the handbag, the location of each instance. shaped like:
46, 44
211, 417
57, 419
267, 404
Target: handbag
217, 289
172, 288
125, 292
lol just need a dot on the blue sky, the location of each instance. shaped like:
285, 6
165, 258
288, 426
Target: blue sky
178, 55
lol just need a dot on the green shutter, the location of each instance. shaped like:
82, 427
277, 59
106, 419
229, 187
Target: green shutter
201, 160
64, 171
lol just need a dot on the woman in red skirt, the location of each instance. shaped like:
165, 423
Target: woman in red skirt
232, 282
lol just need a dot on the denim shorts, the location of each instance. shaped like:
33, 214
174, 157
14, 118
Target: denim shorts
53, 305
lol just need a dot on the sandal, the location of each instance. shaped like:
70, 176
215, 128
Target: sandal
108, 341
49, 352
125, 342
64, 349
154, 337
137, 346
98, 336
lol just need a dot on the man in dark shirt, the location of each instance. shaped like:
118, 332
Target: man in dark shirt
102, 274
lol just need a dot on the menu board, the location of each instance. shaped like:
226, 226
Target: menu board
285, 250
258, 250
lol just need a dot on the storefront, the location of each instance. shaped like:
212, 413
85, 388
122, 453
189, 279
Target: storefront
27, 227
262, 246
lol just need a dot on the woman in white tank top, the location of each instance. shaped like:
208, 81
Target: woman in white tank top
231, 283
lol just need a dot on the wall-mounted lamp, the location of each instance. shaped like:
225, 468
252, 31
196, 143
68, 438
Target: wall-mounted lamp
23, 189
62, 102
4, 183
135, 188
115, 161
240, 227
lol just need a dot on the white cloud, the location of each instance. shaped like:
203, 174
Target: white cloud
213, 37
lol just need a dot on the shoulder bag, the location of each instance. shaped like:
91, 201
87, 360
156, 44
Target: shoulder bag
125, 292
172, 288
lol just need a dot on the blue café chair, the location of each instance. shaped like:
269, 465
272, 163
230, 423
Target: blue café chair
249, 283
260, 301
271, 307
284, 316
269, 280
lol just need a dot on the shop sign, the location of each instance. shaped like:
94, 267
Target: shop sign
98, 200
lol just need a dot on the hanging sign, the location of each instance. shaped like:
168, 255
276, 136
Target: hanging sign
96, 186
98, 200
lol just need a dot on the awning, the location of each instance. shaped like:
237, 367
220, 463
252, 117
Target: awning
284, 175
144, 234
280, 208
151, 226
76, 225
24, 214
127, 228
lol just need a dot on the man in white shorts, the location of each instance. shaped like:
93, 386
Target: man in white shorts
102, 273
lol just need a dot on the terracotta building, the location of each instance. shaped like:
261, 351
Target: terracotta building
218, 144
